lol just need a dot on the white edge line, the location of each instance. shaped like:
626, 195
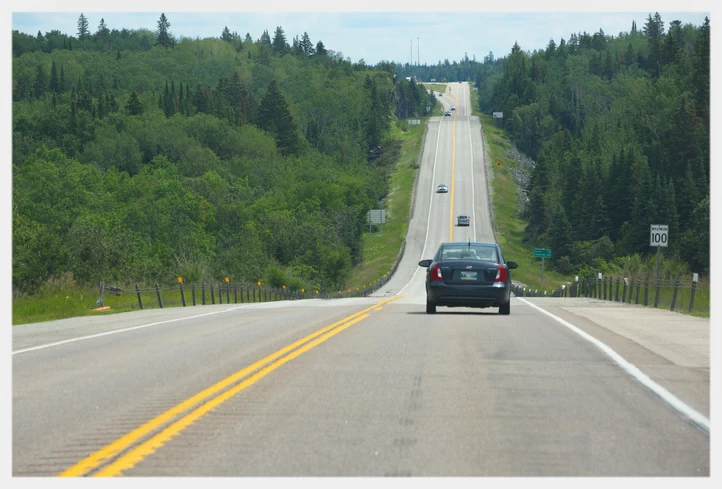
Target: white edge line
81, 338
694, 416
431, 201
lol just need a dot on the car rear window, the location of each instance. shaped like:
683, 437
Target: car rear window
465, 252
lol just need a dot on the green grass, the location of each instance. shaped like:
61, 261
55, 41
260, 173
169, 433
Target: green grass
635, 291
70, 300
508, 226
382, 247
57, 303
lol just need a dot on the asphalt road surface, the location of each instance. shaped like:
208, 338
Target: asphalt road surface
370, 386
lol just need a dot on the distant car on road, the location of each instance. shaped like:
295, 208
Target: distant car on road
453, 107
472, 274
447, 113
440, 94
442, 189
463, 220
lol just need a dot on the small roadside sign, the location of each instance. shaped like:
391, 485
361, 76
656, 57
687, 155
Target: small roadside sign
542, 253
658, 235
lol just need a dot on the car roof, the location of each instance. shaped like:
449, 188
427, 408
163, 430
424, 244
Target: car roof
467, 244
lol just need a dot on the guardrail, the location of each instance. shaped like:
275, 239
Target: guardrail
673, 294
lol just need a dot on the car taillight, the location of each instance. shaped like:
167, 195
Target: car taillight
501, 274
435, 272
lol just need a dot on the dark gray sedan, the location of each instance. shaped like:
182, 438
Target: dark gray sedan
471, 274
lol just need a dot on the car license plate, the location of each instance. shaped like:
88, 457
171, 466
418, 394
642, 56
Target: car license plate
468, 275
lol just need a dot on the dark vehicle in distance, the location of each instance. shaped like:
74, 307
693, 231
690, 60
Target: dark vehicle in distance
472, 274
463, 220
442, 189
447, 113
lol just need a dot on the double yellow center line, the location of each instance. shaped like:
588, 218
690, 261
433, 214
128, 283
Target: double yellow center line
133, 447
453, 173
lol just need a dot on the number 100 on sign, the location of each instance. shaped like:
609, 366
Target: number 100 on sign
659, 235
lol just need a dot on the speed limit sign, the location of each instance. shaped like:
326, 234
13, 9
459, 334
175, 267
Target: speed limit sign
659, 235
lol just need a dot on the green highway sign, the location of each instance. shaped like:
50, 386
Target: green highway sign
542, 253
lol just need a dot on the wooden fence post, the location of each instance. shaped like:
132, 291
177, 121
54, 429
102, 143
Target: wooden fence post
140, 299
674, 295
157, 292
694, 287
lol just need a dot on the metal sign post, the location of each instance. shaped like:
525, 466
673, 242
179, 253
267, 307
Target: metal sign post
542, 253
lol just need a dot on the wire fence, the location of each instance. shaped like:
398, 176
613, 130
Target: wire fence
224, 291
691, 296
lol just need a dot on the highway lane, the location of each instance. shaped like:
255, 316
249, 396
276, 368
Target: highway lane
351, 387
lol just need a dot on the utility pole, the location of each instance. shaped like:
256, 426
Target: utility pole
418, 56
411, 52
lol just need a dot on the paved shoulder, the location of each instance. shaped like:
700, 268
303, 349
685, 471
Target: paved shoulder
671, 348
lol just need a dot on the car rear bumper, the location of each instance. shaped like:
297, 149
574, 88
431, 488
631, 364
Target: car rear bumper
467, 295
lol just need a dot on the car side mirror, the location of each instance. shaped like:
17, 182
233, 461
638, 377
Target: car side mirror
425, 263
511, 265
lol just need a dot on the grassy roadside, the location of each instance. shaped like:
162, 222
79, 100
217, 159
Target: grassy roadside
381, 248
508, 226
59, 300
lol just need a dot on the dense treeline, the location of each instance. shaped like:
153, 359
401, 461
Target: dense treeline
141, 157
619, 131
618, 128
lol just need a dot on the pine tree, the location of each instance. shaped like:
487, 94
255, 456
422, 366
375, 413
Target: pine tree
134, 106
274, 117
265, 39
560, 232
654, 30
101, 107
167, 102
83, 32
306, 45
279, 44
689, 195
237, 97
164, 36
103, 34
668, 211
61, 81
41, 82
54, 83
226, 35
201, 100
700, 72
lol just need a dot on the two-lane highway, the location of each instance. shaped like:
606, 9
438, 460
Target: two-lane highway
358, 387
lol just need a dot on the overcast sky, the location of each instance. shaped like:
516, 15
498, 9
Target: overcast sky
434, 31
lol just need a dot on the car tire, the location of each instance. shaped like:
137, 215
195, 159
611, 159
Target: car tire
430, 307
505, 309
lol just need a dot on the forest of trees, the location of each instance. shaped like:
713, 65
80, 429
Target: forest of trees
619, 132
139, 157
618, 129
